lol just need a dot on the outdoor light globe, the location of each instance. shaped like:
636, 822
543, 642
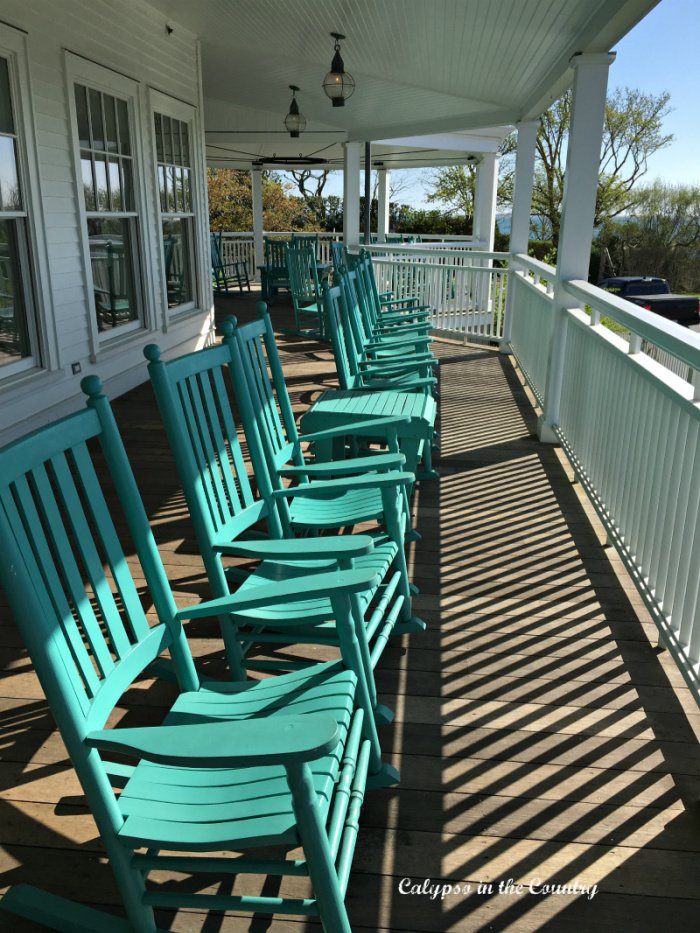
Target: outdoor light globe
294, 122
338, 84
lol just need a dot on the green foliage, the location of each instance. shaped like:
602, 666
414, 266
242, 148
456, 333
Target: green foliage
632, 132
231, 202
454, 186
659, 236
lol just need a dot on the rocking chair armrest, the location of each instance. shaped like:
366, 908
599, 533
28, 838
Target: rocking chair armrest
239, 743
326, 488
291, 549
347, 467
407, 342
394, 367
294, 590
403, 327
355, 427
375, 384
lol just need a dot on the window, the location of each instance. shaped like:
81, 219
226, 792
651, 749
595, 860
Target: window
18, 341
107, 174
176, 208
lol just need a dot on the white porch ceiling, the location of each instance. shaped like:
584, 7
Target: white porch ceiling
420, 66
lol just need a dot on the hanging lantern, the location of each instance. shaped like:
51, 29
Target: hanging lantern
295, 122
338, 84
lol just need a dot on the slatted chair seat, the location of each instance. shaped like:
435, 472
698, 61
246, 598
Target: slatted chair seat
317, 612
185, 808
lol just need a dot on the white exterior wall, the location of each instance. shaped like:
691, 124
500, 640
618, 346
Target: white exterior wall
129, 38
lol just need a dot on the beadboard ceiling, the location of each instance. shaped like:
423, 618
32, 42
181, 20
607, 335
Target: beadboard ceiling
420, 66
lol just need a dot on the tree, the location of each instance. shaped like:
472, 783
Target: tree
632, 132
455, 185
231, 202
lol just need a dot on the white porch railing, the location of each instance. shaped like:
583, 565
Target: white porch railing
630, 425
464, 288
240, 247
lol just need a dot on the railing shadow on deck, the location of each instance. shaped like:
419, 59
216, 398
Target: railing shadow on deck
552, 746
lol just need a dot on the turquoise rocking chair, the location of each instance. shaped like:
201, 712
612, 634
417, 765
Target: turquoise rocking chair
193, 397
254, 768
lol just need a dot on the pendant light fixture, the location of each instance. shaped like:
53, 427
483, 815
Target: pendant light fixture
338, 84
295, 122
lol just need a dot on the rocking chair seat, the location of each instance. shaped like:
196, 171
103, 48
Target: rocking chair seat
318, 609
200, 808
341, 509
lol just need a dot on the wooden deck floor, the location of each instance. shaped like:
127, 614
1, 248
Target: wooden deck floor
541, 736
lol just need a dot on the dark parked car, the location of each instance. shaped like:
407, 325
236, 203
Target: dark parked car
654, 294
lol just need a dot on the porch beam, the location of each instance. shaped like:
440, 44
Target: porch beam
578, 209
351, 193
383, 178
522, 206
258, 249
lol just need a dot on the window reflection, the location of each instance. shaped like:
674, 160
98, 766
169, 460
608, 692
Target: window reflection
111, 244
14, 337
176, 253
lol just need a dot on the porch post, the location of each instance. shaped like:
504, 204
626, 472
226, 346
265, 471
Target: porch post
485, 200
351, 194
520, 218
258, 219
578, 209
383, 177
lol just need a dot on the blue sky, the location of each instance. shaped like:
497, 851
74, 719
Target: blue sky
661, 53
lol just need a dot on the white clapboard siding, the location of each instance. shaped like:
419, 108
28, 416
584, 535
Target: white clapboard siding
129, 38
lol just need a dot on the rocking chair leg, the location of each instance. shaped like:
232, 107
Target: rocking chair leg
324, 879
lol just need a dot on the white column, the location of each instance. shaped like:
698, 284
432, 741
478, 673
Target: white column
578, 209
520, 218
485, 200
258, 218
383, 176
351, 193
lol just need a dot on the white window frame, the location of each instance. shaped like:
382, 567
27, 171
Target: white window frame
100, 78
186, 113
30, 245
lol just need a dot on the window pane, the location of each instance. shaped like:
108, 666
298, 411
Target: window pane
115, 185
123, 116
167, 140
172, 185
163, 187
88, 182
110, 124
186, 180
81, 109
10, 199
101, 195
112, 243
177, 253
127, 185
14, 337
95, 100
7, 124
185, 144
158, 126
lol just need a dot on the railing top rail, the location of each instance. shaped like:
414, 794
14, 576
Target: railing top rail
677, 340
415, 248
230, 234
531, 264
